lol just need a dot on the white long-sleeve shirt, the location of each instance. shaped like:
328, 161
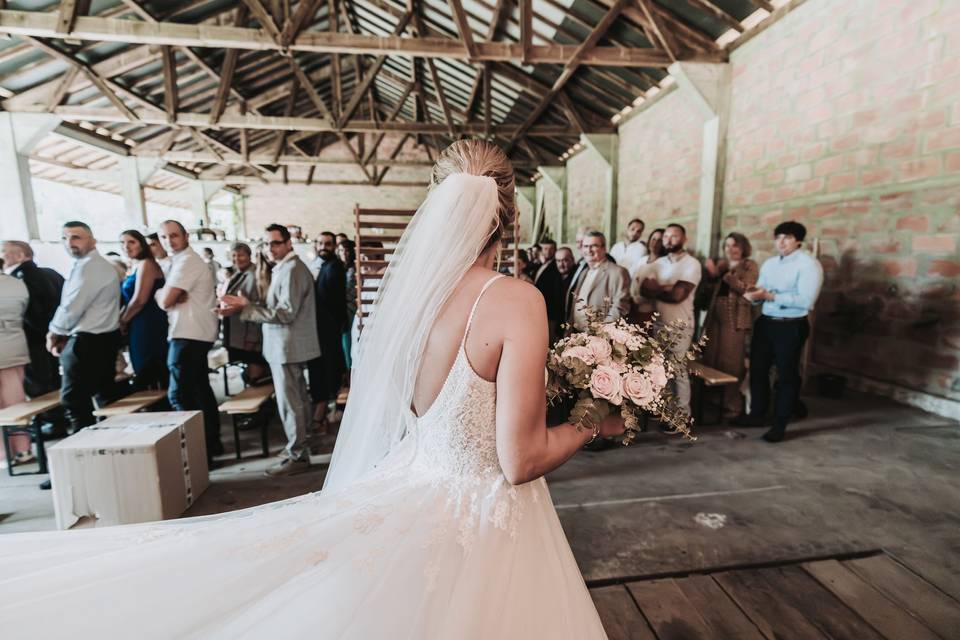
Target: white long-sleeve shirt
90, 302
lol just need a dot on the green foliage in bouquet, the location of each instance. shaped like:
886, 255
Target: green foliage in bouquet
620, 367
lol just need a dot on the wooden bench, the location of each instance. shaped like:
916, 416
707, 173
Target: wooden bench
19, 418
131, 404
250, 401
703, 377
219, 360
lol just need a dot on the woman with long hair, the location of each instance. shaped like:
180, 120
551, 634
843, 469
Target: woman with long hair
142, 319
644, 307
435, 521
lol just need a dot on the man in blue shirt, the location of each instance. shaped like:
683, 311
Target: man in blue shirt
787, 288
85, 330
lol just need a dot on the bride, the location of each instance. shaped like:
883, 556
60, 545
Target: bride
434, 520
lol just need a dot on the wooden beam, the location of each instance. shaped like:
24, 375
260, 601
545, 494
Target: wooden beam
171, 96
227, 70
56, 98
204, 143
487, 116
261, 15
279, 123
69, 11
32, 23
337, 85
463, 27
718, 13
763, 4
368, 79
287, 112
658, 29
371, 152
441, 97
526, 30
306, 11
491, 35
568, 107
393, 154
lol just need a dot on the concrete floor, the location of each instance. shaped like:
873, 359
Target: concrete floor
861, 473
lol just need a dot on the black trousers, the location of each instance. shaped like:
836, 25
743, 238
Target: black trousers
776, 343
89, 367
189, 388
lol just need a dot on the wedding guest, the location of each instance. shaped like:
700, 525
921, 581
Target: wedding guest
42, 373
581, 266
550, 283
188, 298
787, 289
244, 339
523, 266
144, 322
604, 285
643, 307
565, 266
341, 238
211, 262
631, 252
159, 253
346, 251
14, 356
84, 332
288, 315
730, 316
326, 371
672, 287
534, 261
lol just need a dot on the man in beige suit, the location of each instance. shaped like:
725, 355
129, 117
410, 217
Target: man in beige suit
602, 285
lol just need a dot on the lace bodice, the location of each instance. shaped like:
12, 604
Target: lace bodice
457, 435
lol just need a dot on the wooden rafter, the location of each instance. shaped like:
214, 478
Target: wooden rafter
69, 11
491, 35
30, 23
659, 31
63, 88
306, 10
171, 95
368, 79
718, 13
261, 15
393, 154
463, 27
371, 152
568, 107
526, 30
227, 70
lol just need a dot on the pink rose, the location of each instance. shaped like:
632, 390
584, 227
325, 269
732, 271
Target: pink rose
658, 375
605, 383
600, 348
581, 353
637, 388
616, 333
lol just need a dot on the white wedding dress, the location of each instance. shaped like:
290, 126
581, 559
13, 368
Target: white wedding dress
433, 543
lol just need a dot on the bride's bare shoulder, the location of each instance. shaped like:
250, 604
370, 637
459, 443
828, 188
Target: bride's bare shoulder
514, 296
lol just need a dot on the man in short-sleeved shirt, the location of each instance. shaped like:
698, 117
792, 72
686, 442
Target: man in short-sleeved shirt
677, 277
189, 299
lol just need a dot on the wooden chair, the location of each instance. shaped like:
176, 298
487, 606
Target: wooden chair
131, 404
704, 377
19, 418
249, 402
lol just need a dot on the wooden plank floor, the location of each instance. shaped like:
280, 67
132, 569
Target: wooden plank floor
868, 598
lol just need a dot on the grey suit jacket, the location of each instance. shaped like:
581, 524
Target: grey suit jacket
288, 314
611, 282
242, 334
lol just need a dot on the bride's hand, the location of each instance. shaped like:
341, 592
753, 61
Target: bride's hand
612, 425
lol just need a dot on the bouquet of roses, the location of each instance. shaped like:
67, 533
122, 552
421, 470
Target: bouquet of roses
619, 367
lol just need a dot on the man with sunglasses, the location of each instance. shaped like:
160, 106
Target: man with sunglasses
187, 297
288, 316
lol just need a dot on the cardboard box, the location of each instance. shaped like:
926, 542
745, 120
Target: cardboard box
139, 467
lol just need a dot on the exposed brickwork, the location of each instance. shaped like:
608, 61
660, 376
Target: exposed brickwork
586, 176
659, 178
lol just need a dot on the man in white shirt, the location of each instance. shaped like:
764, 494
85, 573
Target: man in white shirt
189, 299
85, 330
677, 277
632, 252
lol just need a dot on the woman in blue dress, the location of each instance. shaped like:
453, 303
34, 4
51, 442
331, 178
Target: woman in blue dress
142, 320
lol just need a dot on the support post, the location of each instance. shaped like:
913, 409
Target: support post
19, 134
556, 178
707, 85
607, 145
529, 194
202, 192
134, 174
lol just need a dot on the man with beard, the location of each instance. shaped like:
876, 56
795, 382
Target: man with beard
326, 372
632, 252
676, 276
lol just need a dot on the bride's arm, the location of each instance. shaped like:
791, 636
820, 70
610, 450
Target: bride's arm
526, 447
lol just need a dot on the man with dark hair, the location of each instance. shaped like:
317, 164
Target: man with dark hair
548, 280
85, 329
211, 262
159, 253
287, 316
188, 298
788, 288
677, 275
631, 252
326, 372
42, 374
566, 264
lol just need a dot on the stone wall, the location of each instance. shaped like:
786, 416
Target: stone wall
586, 175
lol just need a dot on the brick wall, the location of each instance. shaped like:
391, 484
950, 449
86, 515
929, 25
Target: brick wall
659, 176
586, 176
845, 117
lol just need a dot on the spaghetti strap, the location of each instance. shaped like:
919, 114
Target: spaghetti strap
473, 310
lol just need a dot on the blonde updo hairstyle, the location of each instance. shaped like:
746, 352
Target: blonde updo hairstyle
481, 158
